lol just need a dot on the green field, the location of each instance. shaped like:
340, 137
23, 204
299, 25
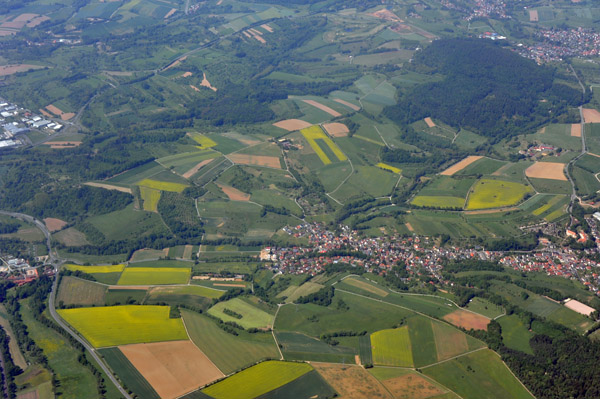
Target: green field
487, 193
294, 292
478, 375
252, 316
310, 385
116, 296
297, 346
150, 198
228, 352
515, 334
257, 380
120, 325
127, 372
484, 307
392, 347
313, 133
438, 202
155, 275
74, 291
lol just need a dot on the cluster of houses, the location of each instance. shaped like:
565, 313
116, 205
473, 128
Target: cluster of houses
15, 121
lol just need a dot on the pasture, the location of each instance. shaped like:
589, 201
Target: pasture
445, 202
297, 346
487, 193
120, 325
228, 352
293, 292
484, 307
257, 380
172, 368
478, 375
392, 347
155, 276
252, 316
515, 333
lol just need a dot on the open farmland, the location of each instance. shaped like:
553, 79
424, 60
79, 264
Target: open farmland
547, 170
128, 373
438, 202
227, 351
389, 167
336, 129
255, 160
150, 198
591, 115
155, 275
162, 185
478, 375
487, 193
351, 381
292, 124
293, 292
257, 380
172, 368
96, 269
74, 291
120, 325
202, 140
467, 320
314, 133
460, 165
392, 347
408, 384
252, 316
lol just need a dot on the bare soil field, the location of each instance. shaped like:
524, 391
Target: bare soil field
547, 170
36, 21
233, 193
11, 69
54, 224
409, 227
196, 168
429, 122
533, 16
7, 32
171, 12
591, 115
260, 38
351, 381
576, 130
460, 165
579, 307
292, 124
62, 144
247, 34
448, 343
467, 320
13, 24
186, 74
322, 107
336, 129
172, 368
386, 15
109, 187
176, 62
260, 160
488, 211
195, 88
46, 113
206, 83
71, 237
25, 17
347, 104
267, 28
412, 386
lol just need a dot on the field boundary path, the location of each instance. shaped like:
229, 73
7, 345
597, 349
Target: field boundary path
273, 331
56, 262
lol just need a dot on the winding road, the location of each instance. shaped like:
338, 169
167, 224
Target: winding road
55, 260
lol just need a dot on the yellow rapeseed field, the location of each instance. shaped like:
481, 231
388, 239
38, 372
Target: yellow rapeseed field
205, 142
316, 133
150, 196
96, 269
121, 325
488, 193
389, 167
257, 380
162, 185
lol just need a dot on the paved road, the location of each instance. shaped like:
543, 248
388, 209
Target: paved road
56, 261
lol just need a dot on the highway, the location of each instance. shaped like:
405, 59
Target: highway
56, 262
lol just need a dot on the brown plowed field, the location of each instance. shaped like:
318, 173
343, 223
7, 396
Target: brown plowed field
351, 381
172, 368
347, 104
267, 28
429, 122
11, 69
54, 224
460, 165
336, 129
109, 187
233, 193
260, 160
591, 115
547, 170
576, 130
412, 386
196, 168
467, 320
409, 227
292, 124
533, 16
322, 107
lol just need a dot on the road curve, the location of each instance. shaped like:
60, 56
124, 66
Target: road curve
55, 261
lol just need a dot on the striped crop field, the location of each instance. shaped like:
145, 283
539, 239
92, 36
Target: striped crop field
313, 133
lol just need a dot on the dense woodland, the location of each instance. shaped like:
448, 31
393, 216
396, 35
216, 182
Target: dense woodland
486, 88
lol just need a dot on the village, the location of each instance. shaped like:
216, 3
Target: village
422, 255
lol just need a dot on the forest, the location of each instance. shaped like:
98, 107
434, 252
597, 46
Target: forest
487, 88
